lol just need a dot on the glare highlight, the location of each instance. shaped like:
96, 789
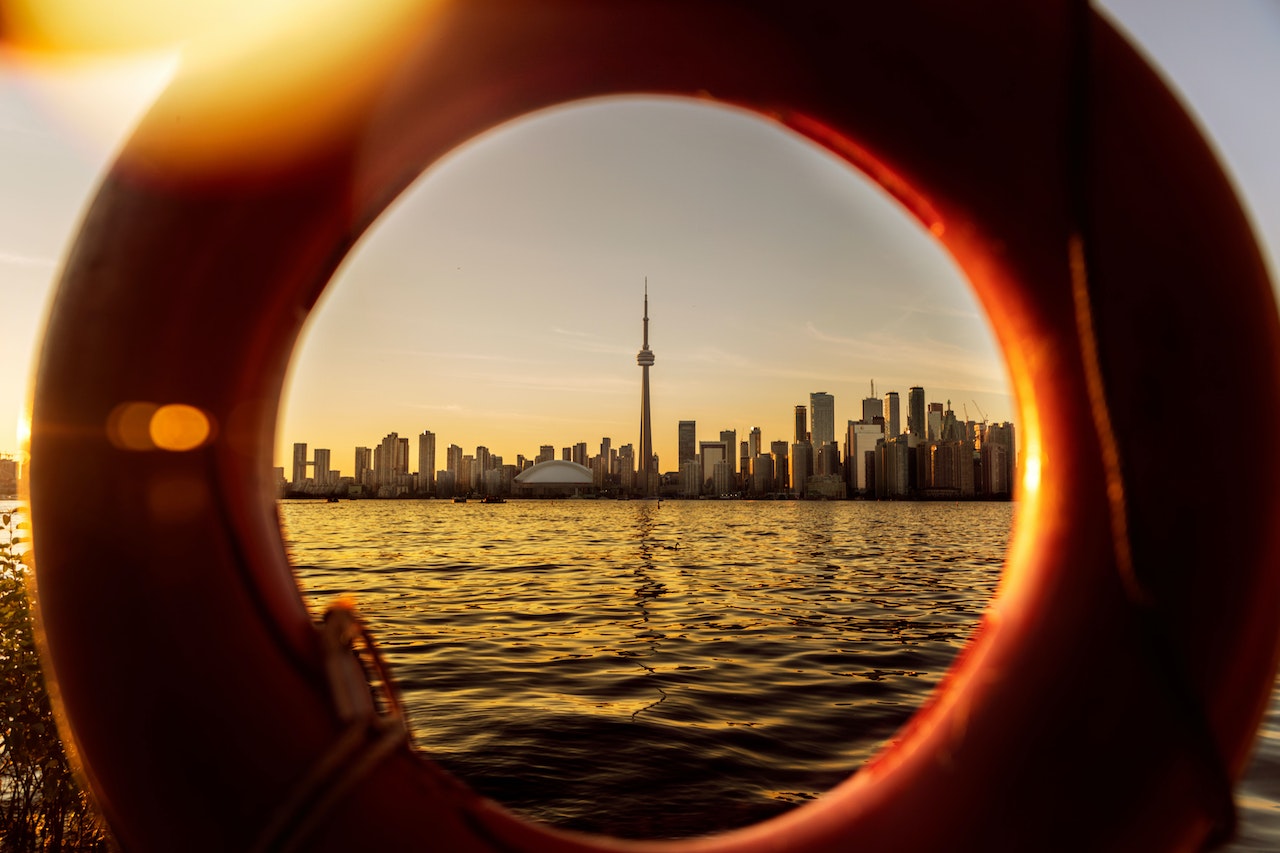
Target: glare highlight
179, 427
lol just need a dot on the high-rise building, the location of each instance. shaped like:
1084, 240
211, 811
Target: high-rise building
872, 407
802, 424
580, 453
801, 466
645, 358
781, 465
712, 453
822, 414
915, 413
299, 465
861, 440
453, 462
688, 442
753, 443
934, 424
730, 438
427, 461
546, 453
320, 467
364, 465
892, 415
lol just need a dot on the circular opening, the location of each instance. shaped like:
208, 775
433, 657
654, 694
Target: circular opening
590, 662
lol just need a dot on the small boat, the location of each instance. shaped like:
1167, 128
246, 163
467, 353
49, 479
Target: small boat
459, 500
492, 499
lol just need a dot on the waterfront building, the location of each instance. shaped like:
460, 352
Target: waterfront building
802, 425
320, 472
893, 467
426, 462
754, 440
645, 358
712, 453
691, 478
827, 460
546, 453
892, 418
730, 439
300, 464
364, 465
860, 440
579, 456
916, 413
781, 465
934, 422
873, 406
761, 474
801, 465
687, 436
724, 478
822, 414
453, 463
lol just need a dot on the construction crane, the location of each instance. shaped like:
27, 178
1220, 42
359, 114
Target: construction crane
981, 413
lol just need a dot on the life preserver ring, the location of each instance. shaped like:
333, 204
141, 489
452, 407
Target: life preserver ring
1114, 691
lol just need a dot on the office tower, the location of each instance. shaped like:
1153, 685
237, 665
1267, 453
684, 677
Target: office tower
781, 465
606, 448
320, 468
802, 424
872, 407
299, 465
1003, 478
645, 359
861, 441
712, 453
730, 438
934, 423
691, 478
892, 415
915, 412
951, 430
484, 459
753, 444
580, 453
364, 464
801, 465
566, 454
546, 453
822, 414
688, 441
453, 462
427, 461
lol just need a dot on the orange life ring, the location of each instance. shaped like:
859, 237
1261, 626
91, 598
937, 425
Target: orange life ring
1113, 693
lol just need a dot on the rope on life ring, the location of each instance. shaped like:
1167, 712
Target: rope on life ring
1094, 246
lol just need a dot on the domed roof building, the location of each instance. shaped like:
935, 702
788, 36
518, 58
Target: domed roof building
554, 478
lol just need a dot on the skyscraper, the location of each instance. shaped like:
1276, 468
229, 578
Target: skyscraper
645, 359
730, 438
688, 441
892, 415
872, 407
802, 424
915, 412
822, 408
299, 465
427, 461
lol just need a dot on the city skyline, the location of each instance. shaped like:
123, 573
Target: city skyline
510, 268
394, 446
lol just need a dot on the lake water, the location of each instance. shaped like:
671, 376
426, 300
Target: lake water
592, 663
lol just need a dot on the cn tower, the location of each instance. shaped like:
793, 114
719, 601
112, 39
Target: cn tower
645, 360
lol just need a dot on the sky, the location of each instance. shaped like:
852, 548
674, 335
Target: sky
499, 301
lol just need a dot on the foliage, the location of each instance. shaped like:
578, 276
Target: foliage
41, 807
